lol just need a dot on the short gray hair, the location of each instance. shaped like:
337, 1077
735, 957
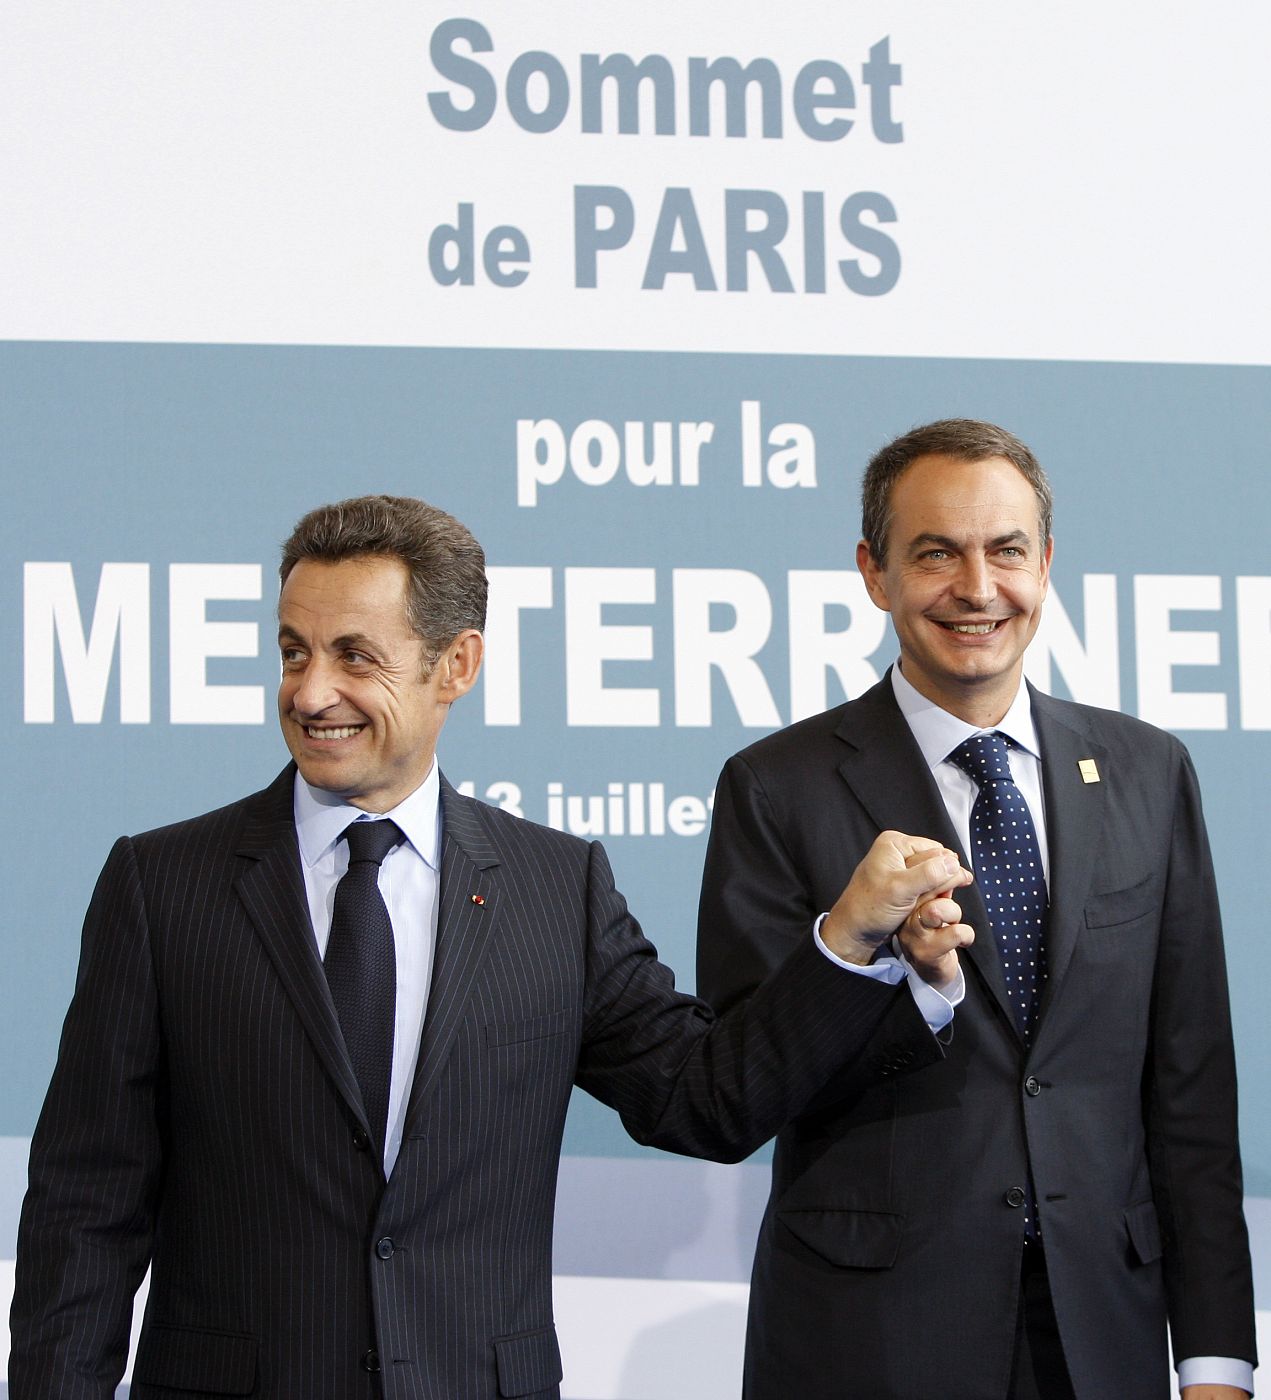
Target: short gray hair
447, 588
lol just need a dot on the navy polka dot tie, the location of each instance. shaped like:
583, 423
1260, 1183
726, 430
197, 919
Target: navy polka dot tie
1008, 870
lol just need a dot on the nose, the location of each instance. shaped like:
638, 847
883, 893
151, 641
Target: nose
975, 585
314, 688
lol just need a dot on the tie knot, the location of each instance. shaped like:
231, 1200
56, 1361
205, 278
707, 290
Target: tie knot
371, 840
984, 758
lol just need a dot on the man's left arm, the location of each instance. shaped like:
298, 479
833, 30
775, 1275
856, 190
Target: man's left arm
1191, 1114
87, 1223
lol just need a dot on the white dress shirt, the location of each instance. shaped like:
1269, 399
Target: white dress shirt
408, 881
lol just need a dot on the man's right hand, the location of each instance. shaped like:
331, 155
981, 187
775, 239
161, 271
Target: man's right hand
931, 936
903, 880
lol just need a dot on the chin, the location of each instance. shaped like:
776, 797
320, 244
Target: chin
321, 775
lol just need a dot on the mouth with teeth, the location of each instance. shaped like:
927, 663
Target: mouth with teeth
332, 732
971, 629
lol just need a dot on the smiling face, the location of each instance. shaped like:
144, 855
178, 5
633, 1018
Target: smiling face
964, 581
358, 713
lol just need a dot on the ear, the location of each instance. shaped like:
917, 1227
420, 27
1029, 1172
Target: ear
460, 665
1044, 574
872, 573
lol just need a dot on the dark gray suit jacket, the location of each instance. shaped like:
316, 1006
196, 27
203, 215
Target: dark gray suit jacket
888, 1262
204, 1116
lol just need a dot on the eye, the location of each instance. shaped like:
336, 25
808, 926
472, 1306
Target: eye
356, 658
936, 556
292, 656
1012, 551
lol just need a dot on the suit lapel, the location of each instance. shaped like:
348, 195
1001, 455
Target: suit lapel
468, 909
887, 772
1074, 823
271, 887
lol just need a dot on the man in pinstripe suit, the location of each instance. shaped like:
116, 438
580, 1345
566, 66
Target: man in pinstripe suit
205, 1116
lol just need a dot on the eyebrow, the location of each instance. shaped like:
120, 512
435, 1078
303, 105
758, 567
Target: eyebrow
350, 640
948, 542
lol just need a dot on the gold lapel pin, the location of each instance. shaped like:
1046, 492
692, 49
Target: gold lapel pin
1088, 769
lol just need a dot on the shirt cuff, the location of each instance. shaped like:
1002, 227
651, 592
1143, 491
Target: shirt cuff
1215, 1370
936, 1008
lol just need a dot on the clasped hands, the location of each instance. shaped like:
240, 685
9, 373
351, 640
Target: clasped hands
903, 887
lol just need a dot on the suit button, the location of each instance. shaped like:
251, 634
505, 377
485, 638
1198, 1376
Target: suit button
384, 1248
1032, 1087
1015, 1197
361, 1139
371, 1360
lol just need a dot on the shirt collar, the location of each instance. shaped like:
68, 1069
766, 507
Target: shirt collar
321, 819
938, 732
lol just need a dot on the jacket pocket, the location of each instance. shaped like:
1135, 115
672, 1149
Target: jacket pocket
534, 1028
1145, 1231
851, 1239
528, 1362
194, 1358
1121, 906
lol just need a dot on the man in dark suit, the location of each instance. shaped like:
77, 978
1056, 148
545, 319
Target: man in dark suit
316, 1068
1015, 1205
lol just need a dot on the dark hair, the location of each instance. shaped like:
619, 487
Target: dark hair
965, 440
447, 588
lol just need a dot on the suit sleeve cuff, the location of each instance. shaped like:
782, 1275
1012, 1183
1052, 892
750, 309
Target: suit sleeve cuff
1215, 1370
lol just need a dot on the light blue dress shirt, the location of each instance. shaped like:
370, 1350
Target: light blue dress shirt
408, 881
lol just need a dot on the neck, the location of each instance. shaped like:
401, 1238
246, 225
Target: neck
981, 705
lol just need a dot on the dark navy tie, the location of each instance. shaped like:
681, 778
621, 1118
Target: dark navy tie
361, 967
1008, 871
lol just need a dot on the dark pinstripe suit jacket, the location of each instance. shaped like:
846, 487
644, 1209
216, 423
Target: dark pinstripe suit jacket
204, 1117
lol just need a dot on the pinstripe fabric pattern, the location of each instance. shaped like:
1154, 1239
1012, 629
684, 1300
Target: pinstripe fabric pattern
203, 1111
